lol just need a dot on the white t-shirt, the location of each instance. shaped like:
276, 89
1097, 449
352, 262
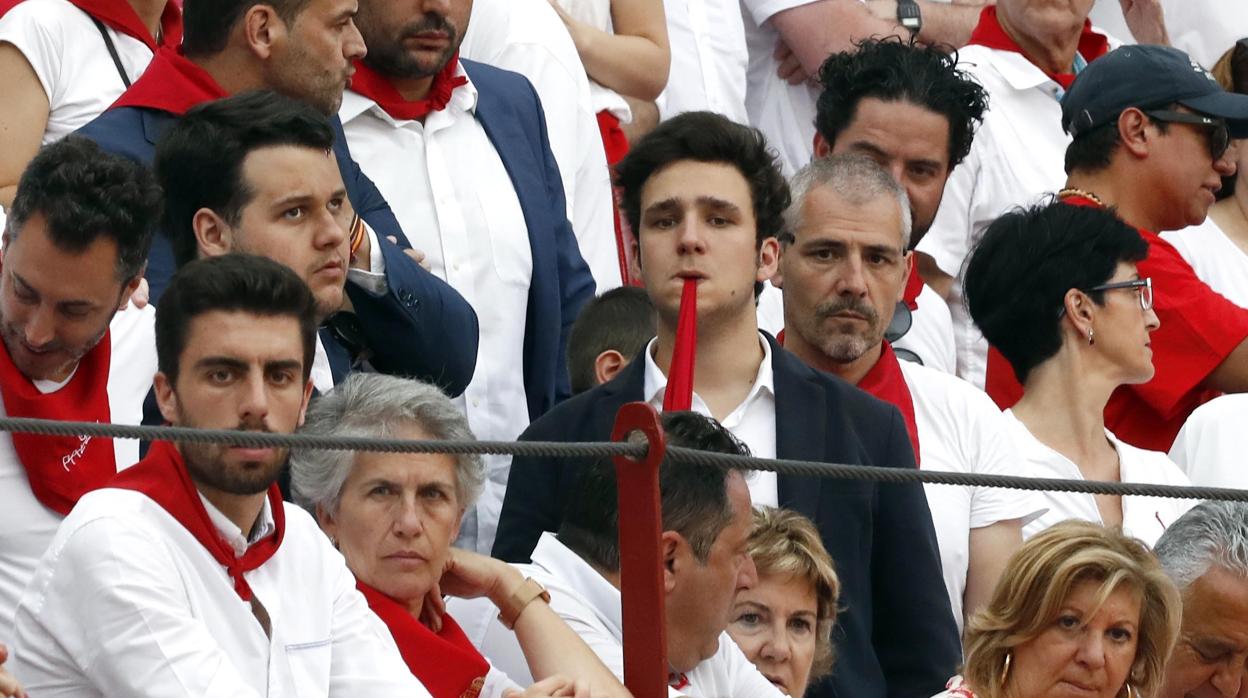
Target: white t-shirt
590, 605
1217, 260
1145, 518
784, 113
26, 525
528, 37
450, 191
69, 56
1211, 445
1204, 29
127, 603
961, 430
709, 59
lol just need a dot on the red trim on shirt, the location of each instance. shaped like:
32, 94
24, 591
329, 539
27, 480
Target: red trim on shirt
991, 34
171, 83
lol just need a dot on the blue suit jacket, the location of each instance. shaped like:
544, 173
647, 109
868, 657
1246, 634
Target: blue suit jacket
511, 114
896, 635
421, 328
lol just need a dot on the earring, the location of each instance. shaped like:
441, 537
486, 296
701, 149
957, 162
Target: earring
1131, 692
1005, 667
1090, 340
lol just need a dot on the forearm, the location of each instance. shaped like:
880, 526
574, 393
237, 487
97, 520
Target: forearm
817, 30
948, 24
990, 548
634, 66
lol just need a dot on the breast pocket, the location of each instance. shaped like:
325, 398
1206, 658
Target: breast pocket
309, 666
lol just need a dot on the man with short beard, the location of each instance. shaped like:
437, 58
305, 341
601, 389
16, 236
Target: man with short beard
187, 574
461, 150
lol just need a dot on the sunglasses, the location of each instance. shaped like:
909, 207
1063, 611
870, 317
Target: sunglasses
1219, 133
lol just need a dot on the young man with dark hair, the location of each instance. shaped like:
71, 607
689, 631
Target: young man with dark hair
74, 247
707, 201
256, 173
706, 522
187, 574
609, 332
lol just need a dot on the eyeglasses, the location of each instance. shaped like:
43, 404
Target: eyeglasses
1219, 134
1145, 287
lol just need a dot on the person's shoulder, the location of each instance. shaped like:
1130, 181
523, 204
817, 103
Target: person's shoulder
490, 78
944, 389
117, 130
568, 418
855, 403
52, 16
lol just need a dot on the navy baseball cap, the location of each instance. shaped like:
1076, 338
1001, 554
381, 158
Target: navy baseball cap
1147, 77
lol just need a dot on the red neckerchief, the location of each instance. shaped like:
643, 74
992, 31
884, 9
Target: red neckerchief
119, 15
163, 477
171, 83
62, 468
375, 86
990, 34
446, 662
677, 680
678, 396
914, 286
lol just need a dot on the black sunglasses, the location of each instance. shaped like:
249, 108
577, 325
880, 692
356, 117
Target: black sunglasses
1219, 133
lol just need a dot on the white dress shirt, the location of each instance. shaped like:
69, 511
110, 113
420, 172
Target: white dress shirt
1145, 518
450, 191
784, 113
961, 430
709, 59
127, 602
1204, 29
26, 525
528, 37
753, 421
590, 605
1217, 260
71, 60
1211, 445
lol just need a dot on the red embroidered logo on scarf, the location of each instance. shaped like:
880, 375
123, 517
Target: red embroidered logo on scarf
376, 87
989, 33
163, 477
171, 83
62, 468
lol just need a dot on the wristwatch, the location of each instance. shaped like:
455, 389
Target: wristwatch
909, 16
528, 592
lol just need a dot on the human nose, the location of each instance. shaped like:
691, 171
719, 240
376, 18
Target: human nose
747, 576
255, 403
40, 326
407, 520
329, 232
1091, 651
691, 240
776, 646
1228, 680
852, 278
353, 47
1151, 321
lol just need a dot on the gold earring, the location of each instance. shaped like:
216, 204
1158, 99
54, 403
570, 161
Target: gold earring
1005, 667
1090, 340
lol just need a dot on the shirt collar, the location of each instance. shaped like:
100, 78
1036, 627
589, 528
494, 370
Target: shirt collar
656, 380
463, 100
233, 534
561, 563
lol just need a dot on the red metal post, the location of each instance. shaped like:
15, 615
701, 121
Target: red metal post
641, 563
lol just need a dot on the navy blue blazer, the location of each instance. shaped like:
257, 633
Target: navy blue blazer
509, 110
895, 635
421, 328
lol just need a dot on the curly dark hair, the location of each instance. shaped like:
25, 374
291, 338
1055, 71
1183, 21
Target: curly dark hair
707, 137
83, 194
889, 70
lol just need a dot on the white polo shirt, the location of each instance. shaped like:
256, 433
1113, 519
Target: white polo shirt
753, 421
1211, 445
26, 525
590, 605
451, 193
1145, 518
127, 603
961, 430
1217, 260
69, 56
527, 36
709, 59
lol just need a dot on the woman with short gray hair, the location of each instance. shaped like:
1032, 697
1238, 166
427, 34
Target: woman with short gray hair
394, 515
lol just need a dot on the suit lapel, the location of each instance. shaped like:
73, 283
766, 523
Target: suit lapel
801, 420
339, 357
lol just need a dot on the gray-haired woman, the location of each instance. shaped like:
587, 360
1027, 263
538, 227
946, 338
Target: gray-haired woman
394, 517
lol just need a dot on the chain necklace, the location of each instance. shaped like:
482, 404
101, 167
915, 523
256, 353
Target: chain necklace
1071, 191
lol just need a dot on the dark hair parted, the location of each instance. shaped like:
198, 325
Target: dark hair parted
621, 319
694, 498
891, 70
231, 283
702, 136
84, 194
206, 24
199, 159
1018, 275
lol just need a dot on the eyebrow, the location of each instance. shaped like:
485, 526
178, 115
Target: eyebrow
241, 365
81, 304
705, 201
305, 198
875, 149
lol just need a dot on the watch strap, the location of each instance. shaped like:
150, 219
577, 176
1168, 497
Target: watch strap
529, 591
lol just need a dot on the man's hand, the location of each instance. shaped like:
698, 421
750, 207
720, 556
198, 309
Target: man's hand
10, 688
552, 687
1147, 21
139, 298
416, 255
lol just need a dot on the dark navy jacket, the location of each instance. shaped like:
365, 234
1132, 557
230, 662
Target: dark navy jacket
895, 635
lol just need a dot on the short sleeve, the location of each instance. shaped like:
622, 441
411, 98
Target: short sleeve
32, 28
996, 456
763, 10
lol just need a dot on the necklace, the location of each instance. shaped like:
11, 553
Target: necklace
1070, 191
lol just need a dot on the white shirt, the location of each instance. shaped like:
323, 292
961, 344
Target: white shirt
1145, 518
450, 191
709, 59
71, 60
784, 113
127, 602
597, 14
1211, 445
528, 37
753, 421
961, 430
1204, 29
1217, 260
590, 605
26, 525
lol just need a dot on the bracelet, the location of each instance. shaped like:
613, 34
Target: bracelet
357, 234
528, 592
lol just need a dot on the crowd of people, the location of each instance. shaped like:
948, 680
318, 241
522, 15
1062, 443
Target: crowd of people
972, 237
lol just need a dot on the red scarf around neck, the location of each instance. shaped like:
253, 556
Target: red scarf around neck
163, 477
62, 468
120, 16
171, 83
989, 33
377, 87
678, 396
446, 662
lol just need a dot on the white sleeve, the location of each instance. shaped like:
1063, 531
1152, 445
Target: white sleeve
950, 238
31, 29
986, 433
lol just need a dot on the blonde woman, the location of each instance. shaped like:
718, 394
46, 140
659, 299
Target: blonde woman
1080, 610
784, 623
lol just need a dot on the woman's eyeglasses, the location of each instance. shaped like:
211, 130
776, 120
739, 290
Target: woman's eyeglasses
1144, 286
1219, 133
